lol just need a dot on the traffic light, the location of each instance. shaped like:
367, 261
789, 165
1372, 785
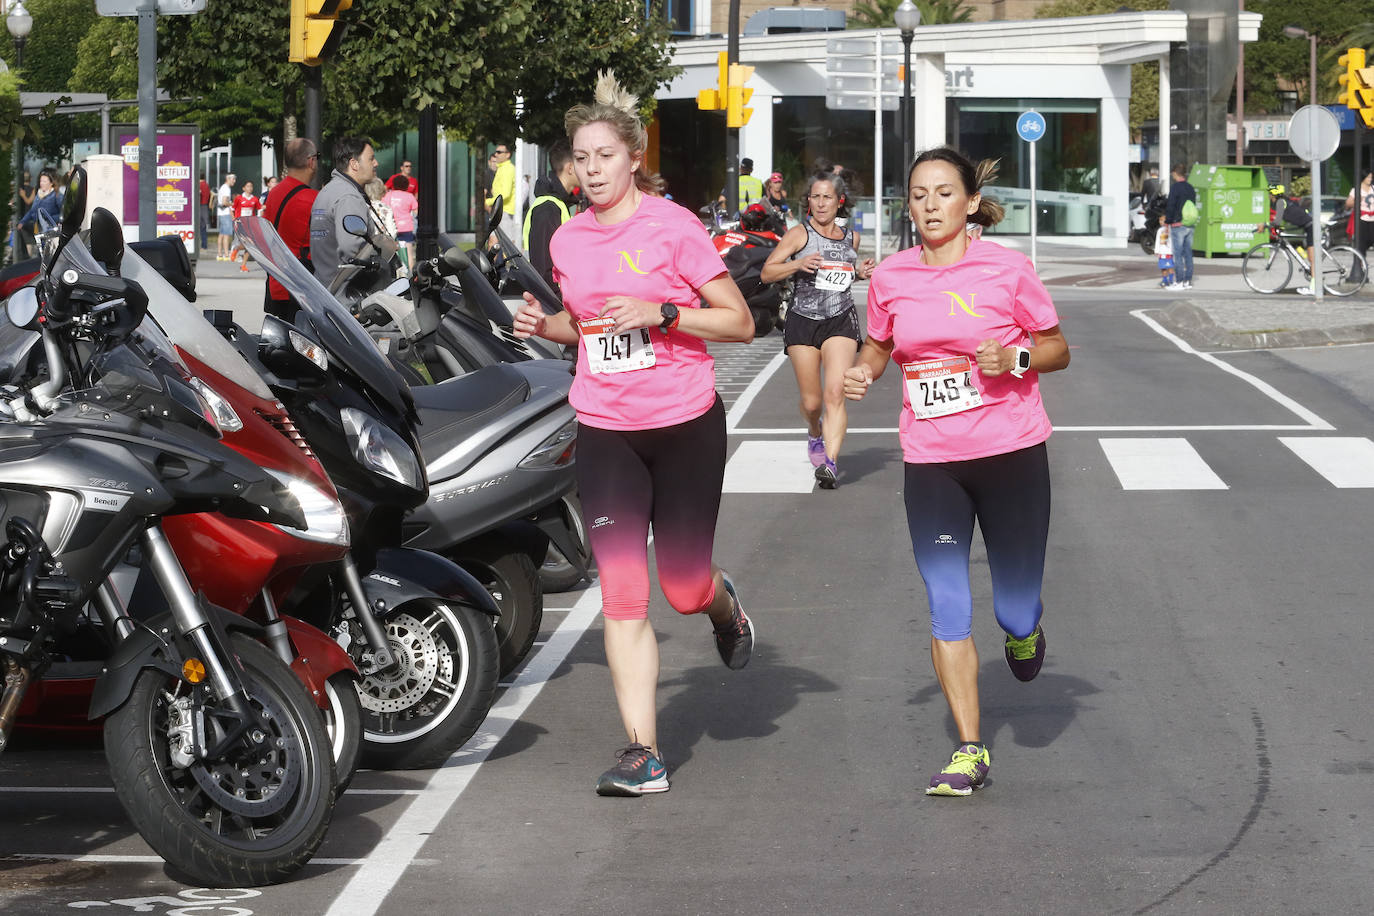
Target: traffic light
714, 99
1357, 84
315, 30
736, 115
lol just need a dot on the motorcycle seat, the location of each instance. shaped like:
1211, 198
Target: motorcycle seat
460, 410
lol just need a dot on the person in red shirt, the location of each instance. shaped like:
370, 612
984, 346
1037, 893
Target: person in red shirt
412, 185
205, 195
245, 204
288, 207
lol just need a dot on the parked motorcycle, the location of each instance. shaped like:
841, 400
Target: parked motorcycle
1145, 221
418, 626
215, 749
744, 246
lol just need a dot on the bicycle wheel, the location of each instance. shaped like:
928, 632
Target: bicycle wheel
1343, 271
1267, 268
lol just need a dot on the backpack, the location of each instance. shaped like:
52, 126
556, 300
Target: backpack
1189, 215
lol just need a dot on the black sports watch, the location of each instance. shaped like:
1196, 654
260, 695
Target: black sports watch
670, 317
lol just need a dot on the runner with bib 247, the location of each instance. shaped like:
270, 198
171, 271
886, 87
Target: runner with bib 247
972, 329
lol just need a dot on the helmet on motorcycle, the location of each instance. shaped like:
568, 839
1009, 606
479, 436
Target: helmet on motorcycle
1276, 190
754, 219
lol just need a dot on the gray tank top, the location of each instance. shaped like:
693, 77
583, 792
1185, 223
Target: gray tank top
825, 293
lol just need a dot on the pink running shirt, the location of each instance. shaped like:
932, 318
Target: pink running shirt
403, 206
933, 312
662, 254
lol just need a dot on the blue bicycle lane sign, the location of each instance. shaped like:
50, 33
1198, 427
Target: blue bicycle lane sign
1030, 126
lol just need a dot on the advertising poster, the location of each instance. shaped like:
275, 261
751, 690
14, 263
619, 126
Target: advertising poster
176, 186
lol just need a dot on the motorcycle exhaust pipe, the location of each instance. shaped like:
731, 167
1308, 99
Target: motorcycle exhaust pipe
16, 683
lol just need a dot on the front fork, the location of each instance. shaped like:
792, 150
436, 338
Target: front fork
382, 657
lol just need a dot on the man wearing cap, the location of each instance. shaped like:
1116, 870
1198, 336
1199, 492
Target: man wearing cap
750, 188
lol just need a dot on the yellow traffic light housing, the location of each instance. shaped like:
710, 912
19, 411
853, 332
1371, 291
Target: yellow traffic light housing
736, 114
315, 30
1353, 60
715, 99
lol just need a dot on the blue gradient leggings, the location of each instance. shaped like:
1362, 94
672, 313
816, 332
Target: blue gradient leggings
1009, 496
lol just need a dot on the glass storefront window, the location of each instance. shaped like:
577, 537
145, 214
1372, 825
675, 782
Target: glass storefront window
1068, 161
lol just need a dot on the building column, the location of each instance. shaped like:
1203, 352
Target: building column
756, 137
1166, 120
928, 95
1115, 139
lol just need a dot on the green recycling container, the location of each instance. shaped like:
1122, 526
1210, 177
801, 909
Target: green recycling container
1233, 206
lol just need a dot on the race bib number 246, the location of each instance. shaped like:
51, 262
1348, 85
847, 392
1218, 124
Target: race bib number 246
941, 387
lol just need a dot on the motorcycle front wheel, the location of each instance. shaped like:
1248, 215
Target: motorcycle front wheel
343, 721
424, 707
513, 581
250, 819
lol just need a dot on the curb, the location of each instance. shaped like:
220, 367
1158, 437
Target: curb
1194, 325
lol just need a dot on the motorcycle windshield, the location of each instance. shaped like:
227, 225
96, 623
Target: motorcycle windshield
186, 327
332, 324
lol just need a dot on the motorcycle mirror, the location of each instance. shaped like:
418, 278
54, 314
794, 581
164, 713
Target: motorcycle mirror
494, 217
107, 239
479, 259
455, 260
74, 204
355, 225
22, 308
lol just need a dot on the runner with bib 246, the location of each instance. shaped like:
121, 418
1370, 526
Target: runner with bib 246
651, 438
972, 328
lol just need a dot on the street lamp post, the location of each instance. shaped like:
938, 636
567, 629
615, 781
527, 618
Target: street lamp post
907, 17
1293, 31
20, 23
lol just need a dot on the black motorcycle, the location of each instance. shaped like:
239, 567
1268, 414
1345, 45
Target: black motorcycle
215, 749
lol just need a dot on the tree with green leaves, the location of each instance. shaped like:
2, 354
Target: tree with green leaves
1277, 64
878, 14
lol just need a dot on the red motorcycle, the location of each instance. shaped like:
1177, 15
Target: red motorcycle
744, 246
245, 566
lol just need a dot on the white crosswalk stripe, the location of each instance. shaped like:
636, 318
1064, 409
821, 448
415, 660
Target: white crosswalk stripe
1159, 464
1346, 461
769, 466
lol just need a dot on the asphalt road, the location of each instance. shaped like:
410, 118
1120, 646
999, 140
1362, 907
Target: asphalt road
1198, 742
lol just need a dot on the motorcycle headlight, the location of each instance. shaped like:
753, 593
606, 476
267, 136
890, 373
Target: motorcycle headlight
378, 448
228, 420
555, 451
324, 515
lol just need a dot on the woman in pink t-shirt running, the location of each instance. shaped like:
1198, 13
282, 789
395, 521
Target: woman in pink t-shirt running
972, 328
651, 439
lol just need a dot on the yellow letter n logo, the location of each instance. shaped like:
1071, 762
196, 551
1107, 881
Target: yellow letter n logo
956, 299
632, 263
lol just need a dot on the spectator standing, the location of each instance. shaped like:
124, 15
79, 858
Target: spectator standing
269, 184
1362, 221
776, 195
206, 196
553, 205
1149, 188
1180, 236
750, 188
413, 185
289, 210
47, 202
245, 204
355, 164
1164, 251
503, 186
224, 214
404, 209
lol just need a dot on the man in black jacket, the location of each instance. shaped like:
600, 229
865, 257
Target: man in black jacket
552, 206
1180, 236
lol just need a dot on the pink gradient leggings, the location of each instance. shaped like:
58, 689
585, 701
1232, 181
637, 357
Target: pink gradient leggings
669, 478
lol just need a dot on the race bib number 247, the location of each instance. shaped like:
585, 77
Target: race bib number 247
610, 351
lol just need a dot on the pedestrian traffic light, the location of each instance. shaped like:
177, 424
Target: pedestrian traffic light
715, 99
315, 30
1357, 84
736, 115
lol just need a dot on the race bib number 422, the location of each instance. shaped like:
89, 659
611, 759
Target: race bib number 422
835, 276
609, 351
941, 387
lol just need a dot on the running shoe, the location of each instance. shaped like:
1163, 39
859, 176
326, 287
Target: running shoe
735, 640
1304, 290
638, 771
815, 450
827, 475
967, 769
1025, 656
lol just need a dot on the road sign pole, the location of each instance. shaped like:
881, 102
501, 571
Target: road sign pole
147, 120
1317, 284
1033, 212
878, 148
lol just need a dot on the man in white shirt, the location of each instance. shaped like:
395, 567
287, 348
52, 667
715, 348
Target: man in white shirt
224, 212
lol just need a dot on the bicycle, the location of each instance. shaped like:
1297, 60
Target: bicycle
1268, 266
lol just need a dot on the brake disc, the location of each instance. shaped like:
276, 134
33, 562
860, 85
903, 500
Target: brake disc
418, 662
262, 781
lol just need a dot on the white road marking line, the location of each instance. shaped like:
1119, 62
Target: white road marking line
1347, 462
1201, 428
104, 790
1159, 464
158, 860
737, 410
397, 849
1314, 421
769, 467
